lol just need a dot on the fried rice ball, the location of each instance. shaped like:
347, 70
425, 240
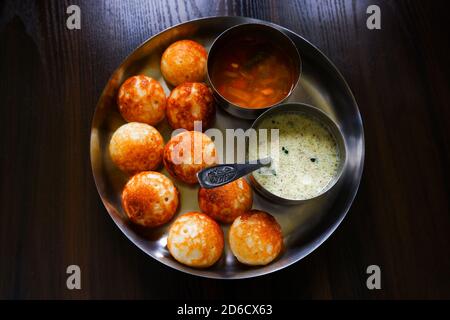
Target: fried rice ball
187, 153
189, 102
255, 238
195, 240
142, 99
184, 61
150, 199
227, 202
136, 147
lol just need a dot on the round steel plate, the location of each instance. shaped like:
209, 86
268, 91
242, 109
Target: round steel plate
304, 226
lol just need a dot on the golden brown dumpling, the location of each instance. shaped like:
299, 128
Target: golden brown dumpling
142, 99
195, 240
256, 238
184, 61
150, 199
227, 202
136, 147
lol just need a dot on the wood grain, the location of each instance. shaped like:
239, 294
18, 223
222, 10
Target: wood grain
51, 215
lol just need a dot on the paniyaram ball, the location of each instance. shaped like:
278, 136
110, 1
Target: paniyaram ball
195, 240
189, 102
150, 199
136, 147
142, 99
188, 153
227, 202
255, 238
184, 61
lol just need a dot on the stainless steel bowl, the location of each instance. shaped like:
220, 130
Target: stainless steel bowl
325, 120
273, 35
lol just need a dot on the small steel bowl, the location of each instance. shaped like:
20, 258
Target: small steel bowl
329, 124
273, 35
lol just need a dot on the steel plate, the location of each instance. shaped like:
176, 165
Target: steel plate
304, 226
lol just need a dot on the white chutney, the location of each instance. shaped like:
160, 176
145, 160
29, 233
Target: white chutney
305, 160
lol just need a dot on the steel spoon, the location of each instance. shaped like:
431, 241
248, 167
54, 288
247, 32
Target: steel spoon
221, 174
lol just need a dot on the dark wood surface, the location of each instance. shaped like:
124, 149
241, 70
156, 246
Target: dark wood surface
51, 215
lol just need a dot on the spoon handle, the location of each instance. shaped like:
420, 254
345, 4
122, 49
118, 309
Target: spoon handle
221, 174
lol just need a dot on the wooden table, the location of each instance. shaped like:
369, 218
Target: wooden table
51, 215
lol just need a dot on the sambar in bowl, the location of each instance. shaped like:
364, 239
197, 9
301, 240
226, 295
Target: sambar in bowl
252, 67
